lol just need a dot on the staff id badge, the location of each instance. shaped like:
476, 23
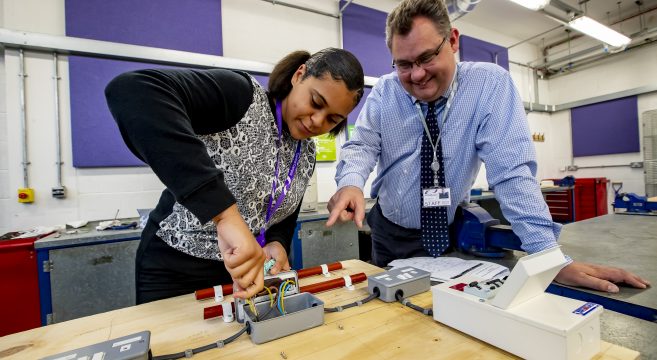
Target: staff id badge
436, 197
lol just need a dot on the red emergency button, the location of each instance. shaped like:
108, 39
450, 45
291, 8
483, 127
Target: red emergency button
25, 195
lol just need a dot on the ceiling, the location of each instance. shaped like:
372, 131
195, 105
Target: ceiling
563, 50
495, 15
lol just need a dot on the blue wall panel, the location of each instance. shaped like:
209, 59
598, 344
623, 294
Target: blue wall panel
610, 127
364, 34
351, 119
96, 138
471, 49
190, 25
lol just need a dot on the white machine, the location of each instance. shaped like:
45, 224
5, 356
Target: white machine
517, 315
309, 202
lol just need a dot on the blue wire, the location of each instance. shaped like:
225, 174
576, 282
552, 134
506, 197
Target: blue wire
278, 301
281, 290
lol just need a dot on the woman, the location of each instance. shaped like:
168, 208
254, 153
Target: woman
235, 161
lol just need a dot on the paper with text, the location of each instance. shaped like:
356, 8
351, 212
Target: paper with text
445, 268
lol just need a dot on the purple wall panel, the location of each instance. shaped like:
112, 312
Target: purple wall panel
471, 49
96, 138
351, 119
262, 79
610, 127
189, 25
364, 34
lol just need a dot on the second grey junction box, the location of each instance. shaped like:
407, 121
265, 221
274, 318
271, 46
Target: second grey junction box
408, 281
303, 311
130, 347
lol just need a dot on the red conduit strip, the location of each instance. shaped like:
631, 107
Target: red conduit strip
215, 311
209, 293
332, 284
303, 273
316, 270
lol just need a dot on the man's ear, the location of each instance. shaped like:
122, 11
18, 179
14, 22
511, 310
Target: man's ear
454, 40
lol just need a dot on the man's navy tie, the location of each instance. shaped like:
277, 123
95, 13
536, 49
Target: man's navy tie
435, 230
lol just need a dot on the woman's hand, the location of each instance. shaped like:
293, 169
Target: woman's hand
243, 257
276, 251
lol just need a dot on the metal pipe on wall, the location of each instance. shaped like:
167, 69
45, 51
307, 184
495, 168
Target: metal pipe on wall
340, 29
529, 92
298, 7
534, 37
110, 50
536, 90
58, 191
633, 165
583, 62
599, 48
23, 122
520, 64
345, 6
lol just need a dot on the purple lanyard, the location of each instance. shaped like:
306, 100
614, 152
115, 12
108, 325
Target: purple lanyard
290, 175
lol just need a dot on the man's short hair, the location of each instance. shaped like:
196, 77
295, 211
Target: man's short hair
400, 20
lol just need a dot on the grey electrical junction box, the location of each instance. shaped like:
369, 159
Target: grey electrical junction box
302, 312
262, 296
408, 281
131, 347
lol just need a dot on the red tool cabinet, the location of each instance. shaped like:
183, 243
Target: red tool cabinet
586, 199
19, 301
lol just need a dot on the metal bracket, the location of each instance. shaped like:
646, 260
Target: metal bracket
58, 192
48, 266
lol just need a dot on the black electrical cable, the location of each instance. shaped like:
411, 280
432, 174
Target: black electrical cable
354, 304
262, 317
188, 353
408, 303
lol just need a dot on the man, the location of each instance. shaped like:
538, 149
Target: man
473, 113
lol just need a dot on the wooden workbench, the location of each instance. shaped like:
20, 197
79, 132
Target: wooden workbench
376, 330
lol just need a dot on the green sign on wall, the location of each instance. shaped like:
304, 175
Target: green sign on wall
350, 131
325, 145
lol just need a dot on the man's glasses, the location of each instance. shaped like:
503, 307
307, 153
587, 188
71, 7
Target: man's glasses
423, 61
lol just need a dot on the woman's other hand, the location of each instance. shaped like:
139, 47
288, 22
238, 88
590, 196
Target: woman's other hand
274, 250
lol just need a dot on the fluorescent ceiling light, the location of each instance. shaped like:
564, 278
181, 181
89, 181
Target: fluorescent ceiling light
532, 4
594, 29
